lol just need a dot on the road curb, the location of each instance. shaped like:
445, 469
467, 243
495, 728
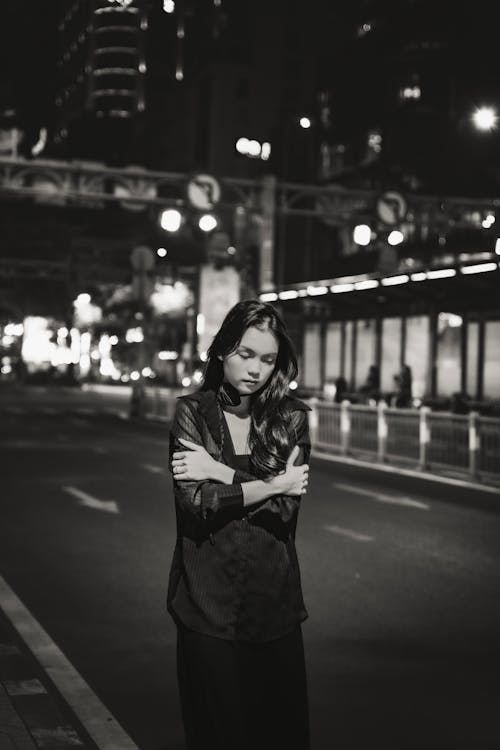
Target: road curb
56, 705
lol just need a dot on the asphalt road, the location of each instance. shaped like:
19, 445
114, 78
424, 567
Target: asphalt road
402, 588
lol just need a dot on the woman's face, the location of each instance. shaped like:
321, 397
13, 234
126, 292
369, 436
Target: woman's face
253, 360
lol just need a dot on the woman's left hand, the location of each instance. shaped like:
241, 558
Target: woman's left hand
195, 463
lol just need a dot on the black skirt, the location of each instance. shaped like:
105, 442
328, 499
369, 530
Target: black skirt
240, 695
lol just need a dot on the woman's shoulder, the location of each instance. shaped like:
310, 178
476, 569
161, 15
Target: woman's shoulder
295, 403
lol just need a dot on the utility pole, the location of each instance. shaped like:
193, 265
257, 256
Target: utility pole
143, 261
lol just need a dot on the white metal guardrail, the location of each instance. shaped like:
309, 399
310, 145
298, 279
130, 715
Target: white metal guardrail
468, 445
432, 441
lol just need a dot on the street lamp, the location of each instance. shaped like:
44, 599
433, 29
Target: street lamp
485, 118
362, 234
171, 220
207, 222
395, 237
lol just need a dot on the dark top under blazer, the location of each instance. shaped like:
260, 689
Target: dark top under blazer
234, 573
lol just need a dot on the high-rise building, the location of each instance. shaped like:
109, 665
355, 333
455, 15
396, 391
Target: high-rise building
101, 71
399, 86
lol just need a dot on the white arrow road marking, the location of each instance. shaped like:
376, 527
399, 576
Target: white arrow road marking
24, 687
104, 730
88, 501
153, 469
381, 497
356, 536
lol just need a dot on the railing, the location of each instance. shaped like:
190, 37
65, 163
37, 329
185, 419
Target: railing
433, 441
463, 445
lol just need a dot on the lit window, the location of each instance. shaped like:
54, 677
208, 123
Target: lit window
410, 92
375, 141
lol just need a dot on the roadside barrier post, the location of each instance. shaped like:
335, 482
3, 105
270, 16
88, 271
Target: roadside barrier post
313, 420
382, 428
345, 427
424, 436
474, 444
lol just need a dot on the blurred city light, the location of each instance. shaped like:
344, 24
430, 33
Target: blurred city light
265, 151
411, 92
231, 250
497, 246
171, 220
268, 297
166, 355
82, 300
479, 268
485, 118
203, 356
135, 375
441, 273
200, 324
305, 122
162, 251
147, 372
315, 290
395, 280
166, 298
14, 329
293, 385
113, 340
134, 335
186, 382
289, 294
368, 284
197, 376
419, 276
451, 319
168, 6
375, 141
207, 222
395, 237
339, 288
253, 148
362, 234
488, 221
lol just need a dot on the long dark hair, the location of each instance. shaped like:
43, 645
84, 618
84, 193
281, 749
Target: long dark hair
272, 425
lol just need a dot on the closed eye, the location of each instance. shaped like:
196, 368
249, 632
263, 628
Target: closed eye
246, 356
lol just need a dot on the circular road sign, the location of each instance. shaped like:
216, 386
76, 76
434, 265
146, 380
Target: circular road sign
391, 208
203, 192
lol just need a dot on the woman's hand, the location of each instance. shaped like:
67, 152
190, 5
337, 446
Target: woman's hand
294, 479
195, 463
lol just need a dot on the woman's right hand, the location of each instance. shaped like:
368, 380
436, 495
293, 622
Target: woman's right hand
293, 480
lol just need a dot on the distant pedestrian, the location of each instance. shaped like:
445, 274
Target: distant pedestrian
371, 387
239, 448
404, 395
340, 389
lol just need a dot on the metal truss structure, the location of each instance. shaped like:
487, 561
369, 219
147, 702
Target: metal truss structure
93, 185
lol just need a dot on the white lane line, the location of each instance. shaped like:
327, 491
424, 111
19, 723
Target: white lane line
88, 501
98, 722
153, 469
354, 535
381, 497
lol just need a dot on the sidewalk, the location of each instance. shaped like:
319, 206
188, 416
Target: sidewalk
32, 714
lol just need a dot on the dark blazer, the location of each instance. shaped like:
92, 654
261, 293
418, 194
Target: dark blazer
234, 573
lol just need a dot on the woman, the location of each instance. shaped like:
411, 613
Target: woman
239, 449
